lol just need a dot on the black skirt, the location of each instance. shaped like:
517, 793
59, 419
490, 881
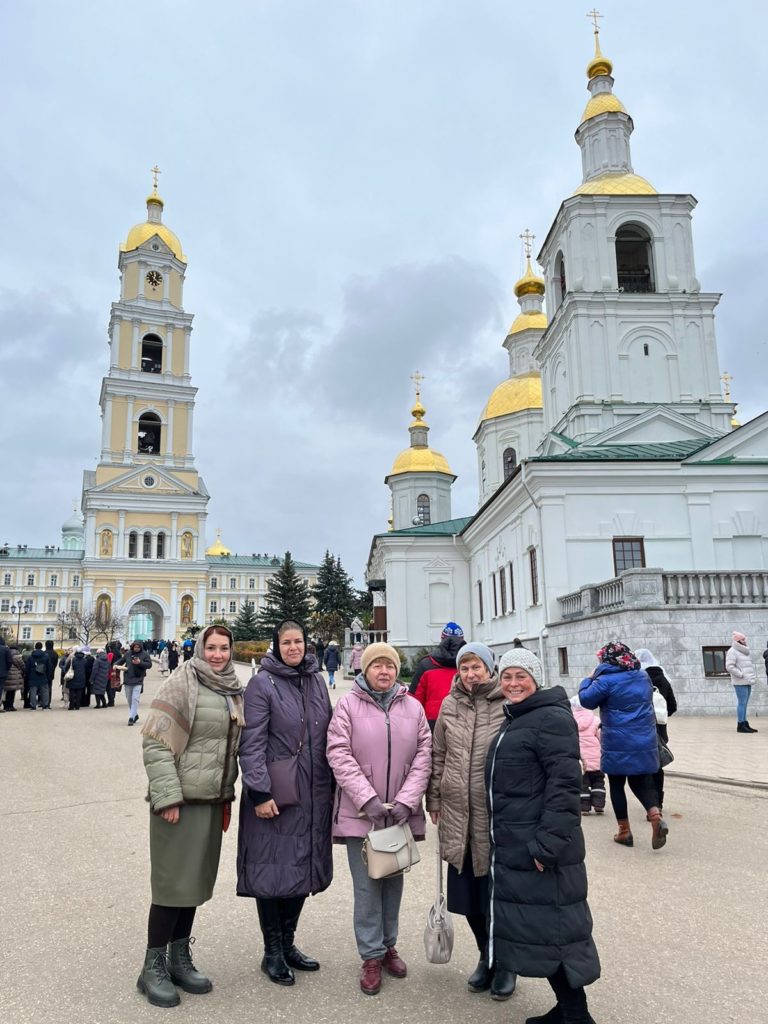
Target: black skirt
467, 894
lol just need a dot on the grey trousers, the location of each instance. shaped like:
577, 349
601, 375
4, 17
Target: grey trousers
377, 906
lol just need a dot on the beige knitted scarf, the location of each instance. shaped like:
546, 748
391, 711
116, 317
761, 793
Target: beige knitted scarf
172, 712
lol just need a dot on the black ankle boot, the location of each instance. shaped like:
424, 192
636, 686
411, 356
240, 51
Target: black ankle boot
749, 727
290, 911
503, 984
480, 979
273, 962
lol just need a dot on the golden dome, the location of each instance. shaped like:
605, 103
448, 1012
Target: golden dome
599, 65
141, 233
514, 395
524, 321
218, 549
418, 412
529, 283
155, 198
616, 185
420, 459
602, 104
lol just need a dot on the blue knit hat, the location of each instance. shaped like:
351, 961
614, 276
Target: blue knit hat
451, 629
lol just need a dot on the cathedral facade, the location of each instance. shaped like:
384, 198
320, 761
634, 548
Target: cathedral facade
618, 496
136, 549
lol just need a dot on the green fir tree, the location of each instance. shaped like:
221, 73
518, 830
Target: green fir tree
334, 598
287, 598
246, 625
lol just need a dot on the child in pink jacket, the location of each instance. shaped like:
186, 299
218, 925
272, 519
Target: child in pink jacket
592, 779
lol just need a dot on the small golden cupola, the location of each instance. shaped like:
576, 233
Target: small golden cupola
605, 151
529, 291
153, 226
419, 457
218, 549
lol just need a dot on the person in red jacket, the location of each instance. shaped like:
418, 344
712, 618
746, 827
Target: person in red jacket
434, 674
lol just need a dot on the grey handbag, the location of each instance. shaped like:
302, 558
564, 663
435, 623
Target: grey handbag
665, 754
390, 851
438, 935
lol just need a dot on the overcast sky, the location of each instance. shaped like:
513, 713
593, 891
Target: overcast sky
349, 180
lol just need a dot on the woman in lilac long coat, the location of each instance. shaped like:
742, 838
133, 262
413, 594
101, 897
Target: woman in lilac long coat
380, 750
284, 854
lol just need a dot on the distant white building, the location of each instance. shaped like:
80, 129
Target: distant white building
618, 495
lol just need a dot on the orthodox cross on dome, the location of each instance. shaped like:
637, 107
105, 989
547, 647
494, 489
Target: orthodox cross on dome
528, 239
155, 171
417, 378
594, 15
726, 378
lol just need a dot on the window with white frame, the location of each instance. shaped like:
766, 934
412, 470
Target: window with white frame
76, 580
74, 605
30, 579
26, 632
233, 607
54, 580
6, 579
213, 607
28, 605
50, 632
214, 582
233, 582
5, 604
251, 583
52, 605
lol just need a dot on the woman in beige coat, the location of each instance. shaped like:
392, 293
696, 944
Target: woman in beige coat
469, 721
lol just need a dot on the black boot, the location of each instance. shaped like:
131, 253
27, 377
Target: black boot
480, 979
553, 1016
290, 911
154, 981
273, 962
749, 728
183, 972
503, 984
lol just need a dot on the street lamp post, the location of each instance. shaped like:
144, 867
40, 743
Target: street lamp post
18, 607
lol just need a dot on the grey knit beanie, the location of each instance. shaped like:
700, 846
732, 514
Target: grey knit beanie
485, 654
520, 657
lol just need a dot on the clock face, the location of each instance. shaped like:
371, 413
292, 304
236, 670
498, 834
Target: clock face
154, 278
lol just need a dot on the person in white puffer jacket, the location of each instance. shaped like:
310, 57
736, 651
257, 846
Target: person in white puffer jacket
738, 664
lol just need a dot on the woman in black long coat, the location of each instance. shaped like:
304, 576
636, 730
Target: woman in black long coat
541, 926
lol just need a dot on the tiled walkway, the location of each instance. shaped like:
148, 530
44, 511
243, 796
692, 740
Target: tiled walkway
710, 747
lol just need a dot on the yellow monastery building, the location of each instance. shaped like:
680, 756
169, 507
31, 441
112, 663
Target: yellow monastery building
138, 549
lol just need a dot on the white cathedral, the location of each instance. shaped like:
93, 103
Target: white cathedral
618, 496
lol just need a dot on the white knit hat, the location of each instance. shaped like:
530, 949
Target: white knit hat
521, 657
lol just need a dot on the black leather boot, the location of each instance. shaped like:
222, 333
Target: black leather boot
749, 728
290, 911
154, 981
273, 962
183, 972
480, 979
503, 983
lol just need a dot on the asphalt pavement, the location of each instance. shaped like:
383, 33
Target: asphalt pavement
681, 931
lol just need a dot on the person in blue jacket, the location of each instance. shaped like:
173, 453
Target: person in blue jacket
624, 694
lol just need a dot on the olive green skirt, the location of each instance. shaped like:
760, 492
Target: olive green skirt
185, 856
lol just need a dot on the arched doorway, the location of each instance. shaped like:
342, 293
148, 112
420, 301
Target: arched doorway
145, 621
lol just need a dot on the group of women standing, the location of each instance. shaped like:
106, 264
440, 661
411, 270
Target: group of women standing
503, 784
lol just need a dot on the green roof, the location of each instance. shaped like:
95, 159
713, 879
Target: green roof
445, 529
255, 561
52, 554
660, 451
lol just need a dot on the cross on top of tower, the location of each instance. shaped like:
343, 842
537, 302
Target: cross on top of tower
594, 15
527, 238
417, 378
155, 171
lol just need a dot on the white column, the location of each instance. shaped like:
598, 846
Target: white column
119, 598
173, 553
187, 339
114, 345
90, 535
106, 426
190, 417
129, 427
120, 550
168, 354
174, 615
166, 282
168, 446
202, 607
135, 344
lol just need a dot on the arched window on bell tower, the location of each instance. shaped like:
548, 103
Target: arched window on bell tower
151, 354
146, 545
133, 541
510, 462
634, 264
150, 434
561, 285
423, 513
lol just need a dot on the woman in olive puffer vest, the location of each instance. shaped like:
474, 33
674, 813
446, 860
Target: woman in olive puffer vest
469, 721
191, 738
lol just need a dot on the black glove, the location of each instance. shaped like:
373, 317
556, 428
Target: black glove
375, 812
400, 813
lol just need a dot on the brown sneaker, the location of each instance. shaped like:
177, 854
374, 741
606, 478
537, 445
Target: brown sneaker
393, 964
370, 977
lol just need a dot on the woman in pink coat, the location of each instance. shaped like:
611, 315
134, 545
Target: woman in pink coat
380, 751
592, 779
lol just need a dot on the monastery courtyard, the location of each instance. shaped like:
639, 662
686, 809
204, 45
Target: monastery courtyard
681, 932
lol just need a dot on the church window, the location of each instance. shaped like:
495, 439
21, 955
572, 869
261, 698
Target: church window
76, 580
54, 580
233, 607
714, 660
510, 462
30, 579
133, 541
151, 354
5, 604
628, 553
633, 259
503, 590
214, 607
534, 571
511, 588
214, 582
646, 349
562, 660
161, 545
7, 579
480, 611
52, 605
146, 545
149, 436
422, 510
251, 583
495, 595
233, 582
561, 285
